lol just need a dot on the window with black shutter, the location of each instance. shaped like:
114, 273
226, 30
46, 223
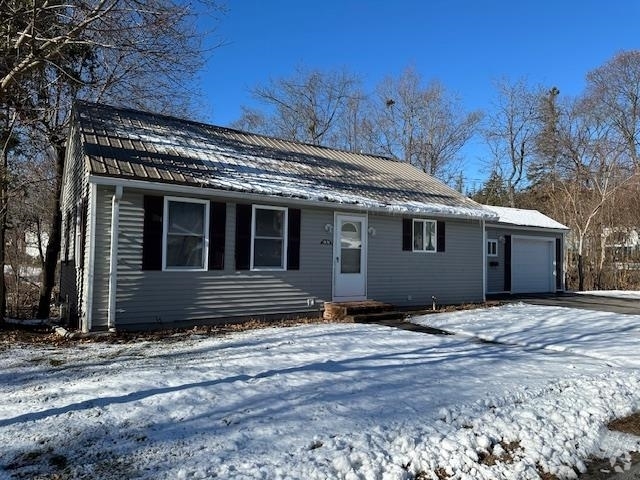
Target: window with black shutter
422, 235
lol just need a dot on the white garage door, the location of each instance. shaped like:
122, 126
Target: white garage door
532, 266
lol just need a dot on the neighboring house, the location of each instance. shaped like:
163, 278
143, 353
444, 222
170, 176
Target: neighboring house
169, 222
525, 252
621, 243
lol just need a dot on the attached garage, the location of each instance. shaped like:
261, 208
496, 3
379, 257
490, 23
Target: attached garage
532, 265
524, 252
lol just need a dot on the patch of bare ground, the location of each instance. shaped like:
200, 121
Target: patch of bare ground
604, 468
630, 424
503, 454
10, 334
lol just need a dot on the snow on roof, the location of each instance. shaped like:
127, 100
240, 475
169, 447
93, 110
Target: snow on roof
137, 145
525, 218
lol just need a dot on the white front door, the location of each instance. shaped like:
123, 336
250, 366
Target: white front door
350, 257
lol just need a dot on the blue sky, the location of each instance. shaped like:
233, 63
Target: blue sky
464, 44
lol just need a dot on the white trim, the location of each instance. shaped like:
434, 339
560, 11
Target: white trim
534, 237
113, 257
173, 188
93, 199
365, 254
285, 235
424, 234
506, 226
165, 227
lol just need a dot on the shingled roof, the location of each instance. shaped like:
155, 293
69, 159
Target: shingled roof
136, 145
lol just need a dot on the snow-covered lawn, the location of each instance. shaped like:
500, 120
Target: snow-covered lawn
324, 401
628, 294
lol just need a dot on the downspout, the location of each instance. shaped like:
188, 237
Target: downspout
113, 258
484, 262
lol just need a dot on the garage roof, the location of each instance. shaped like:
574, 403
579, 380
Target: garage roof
525, 218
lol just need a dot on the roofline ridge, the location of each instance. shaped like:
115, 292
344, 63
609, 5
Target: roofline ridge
229, 129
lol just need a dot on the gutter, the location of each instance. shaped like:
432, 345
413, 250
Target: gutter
113, 258
167, 188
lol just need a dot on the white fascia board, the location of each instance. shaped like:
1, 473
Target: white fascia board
172, 188
508, 226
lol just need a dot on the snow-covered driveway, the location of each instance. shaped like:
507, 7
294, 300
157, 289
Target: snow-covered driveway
319, 401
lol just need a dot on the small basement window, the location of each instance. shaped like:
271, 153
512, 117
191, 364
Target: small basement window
186, 234
492, 248
268, 238
424, 236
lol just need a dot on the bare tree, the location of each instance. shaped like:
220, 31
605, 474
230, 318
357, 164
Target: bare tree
511, 130
590, 170
310, 106
422, 125
615, 87
140, 53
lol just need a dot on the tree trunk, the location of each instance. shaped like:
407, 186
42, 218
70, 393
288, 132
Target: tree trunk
3, 230
580, 272
53, 245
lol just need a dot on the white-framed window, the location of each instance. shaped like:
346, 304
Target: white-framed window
185, 241
492, 248
424, 236
269, 238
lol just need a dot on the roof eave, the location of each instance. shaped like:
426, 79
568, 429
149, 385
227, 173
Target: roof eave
527, 227
169, 187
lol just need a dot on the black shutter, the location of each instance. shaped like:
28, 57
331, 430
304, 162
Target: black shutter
293, 239
441, 235
217, 226
507, 263
558, 264
243, 236
152, 233
407, 234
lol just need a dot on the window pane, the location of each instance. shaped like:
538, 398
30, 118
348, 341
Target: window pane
350, 235
267, 253
184, 251
186, 218
269, 222
350, 260
417, 235
431, 236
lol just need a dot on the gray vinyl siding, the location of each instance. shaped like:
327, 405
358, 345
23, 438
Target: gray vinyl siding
412, 278
102, 253
75, 187
495, 273
156, 298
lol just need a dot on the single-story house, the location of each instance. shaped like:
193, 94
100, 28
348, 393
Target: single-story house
169, 222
